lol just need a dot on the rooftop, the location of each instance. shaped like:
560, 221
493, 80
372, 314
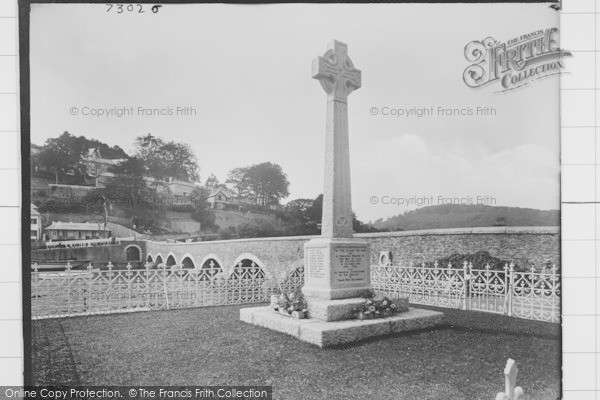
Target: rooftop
76, 226
225, 191
178, 182
93, 154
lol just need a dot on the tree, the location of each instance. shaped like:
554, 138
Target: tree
212, 182
360, 227
202, 211
267, 183
300, 209
128, 190
62, 154
181, 161
239, 180
309, 213
147, 149
315, 213
164, 160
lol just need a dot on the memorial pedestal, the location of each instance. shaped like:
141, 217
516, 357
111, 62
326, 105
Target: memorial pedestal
336, 268
337, 277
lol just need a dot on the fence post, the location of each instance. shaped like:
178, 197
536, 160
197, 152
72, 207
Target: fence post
110, 291
69, 287
164, 274
511, 281
147, 285
466, 286
87, 291
129, 274
555, 284
34, 290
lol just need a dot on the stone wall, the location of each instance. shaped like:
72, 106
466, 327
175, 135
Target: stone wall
184, 226
227, 219
120, 231
523, 245
526, 246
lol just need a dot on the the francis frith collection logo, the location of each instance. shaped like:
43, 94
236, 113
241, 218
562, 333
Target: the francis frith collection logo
515, 63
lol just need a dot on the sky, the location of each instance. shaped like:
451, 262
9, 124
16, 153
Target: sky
246, 70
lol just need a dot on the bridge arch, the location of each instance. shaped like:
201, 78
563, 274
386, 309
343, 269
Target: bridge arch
133, 252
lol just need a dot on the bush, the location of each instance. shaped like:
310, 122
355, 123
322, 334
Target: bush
479, 260
258, 228
226, 234
182, 208
206, 218
59, 206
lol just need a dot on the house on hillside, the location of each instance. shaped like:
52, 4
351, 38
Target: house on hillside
35, 149
222, 198
97, 167
36, 223
76, 231
180, 188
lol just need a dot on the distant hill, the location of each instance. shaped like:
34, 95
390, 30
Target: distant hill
468, 216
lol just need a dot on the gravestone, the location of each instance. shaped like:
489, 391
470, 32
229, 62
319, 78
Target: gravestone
337, 265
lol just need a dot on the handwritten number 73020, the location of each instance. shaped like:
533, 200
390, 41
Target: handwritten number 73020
130, 8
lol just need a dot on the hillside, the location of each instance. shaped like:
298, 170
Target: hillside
467, 216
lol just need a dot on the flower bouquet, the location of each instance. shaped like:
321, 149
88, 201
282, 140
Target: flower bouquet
367, 310
376, 308
293, 304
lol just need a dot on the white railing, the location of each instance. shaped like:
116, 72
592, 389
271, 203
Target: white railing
81, 243
102, 291
530, 295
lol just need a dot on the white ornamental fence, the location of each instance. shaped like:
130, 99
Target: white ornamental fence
95, 291
83, 242
530, 295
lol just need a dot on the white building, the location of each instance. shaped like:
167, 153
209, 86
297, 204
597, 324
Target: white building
220, 198
76, 231
36, 223
180, 188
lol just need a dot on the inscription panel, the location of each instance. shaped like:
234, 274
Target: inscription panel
350, 266
315, 264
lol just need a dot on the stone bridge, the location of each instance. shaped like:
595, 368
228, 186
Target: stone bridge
523, 245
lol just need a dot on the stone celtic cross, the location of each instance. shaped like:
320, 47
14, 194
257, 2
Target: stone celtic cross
337, 270
339, 78
335, 72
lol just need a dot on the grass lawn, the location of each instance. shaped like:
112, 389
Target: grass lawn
461, 359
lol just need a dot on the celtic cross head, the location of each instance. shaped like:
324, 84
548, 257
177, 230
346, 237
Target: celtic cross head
335, 72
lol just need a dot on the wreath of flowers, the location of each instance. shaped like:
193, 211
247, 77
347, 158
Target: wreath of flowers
376, 308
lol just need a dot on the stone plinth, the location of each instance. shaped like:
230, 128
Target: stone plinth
336, 268
333, 310
328, 334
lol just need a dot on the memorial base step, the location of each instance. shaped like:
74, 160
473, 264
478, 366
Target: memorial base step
328, 334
